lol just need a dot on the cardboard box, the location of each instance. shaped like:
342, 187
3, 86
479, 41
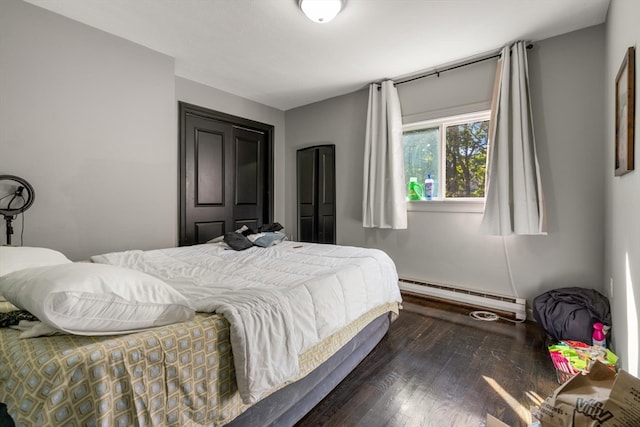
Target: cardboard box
600, 398
494, 422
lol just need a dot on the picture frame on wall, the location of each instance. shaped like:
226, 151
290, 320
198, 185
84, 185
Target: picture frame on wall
625, 114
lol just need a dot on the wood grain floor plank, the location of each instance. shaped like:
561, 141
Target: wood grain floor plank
439, 367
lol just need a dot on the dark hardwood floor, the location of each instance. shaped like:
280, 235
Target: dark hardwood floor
439, 367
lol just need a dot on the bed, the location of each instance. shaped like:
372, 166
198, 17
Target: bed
329, 306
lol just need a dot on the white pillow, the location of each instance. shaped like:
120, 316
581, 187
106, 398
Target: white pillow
95, 299
14, 258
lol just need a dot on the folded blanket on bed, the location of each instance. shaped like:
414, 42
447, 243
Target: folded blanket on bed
279, 301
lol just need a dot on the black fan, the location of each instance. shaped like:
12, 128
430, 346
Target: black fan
16, 196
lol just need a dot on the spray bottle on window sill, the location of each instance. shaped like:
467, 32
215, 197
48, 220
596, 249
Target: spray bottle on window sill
428, 188
414, 191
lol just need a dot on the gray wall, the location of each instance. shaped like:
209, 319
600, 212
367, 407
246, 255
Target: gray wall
90, 120
445, 247
622, 201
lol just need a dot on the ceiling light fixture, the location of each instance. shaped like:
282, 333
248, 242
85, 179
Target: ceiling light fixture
320, 11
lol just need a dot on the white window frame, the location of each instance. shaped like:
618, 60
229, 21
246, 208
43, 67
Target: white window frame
440, 203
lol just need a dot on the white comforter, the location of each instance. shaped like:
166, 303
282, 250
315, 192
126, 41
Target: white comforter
279, 301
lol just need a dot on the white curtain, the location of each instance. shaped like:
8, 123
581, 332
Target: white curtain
514, 202
384, 195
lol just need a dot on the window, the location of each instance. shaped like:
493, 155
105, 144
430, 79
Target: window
452, 151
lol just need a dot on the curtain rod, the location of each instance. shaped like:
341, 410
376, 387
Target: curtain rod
437, 72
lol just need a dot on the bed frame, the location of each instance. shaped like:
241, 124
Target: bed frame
284, 407
291, 403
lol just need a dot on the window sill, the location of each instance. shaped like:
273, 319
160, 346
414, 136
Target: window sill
462, 206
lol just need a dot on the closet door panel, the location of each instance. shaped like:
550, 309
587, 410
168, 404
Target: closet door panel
316, 194
327, 231
208, 230
205, 179
209, 173
326, 195
247, 171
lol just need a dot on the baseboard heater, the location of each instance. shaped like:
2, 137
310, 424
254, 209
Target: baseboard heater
481, 300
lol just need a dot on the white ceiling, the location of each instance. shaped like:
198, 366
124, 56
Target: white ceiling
269, 52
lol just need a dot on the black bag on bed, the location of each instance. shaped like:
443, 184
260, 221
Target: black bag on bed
569, 313
237, 241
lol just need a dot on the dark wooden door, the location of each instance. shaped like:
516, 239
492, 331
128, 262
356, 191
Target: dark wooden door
316, 194
225, 174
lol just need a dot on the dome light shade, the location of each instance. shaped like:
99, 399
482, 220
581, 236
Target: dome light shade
321, 11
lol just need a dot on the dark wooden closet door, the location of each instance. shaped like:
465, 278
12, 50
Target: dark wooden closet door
316, 194
225, 174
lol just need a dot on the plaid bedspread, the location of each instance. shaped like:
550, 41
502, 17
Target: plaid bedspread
177, 375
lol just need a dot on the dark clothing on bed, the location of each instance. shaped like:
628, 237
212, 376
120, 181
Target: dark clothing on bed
14, 317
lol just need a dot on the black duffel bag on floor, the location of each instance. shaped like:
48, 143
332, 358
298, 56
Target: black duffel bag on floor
569, 313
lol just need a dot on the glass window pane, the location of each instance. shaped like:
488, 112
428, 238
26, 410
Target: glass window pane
421, 156
466, 159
